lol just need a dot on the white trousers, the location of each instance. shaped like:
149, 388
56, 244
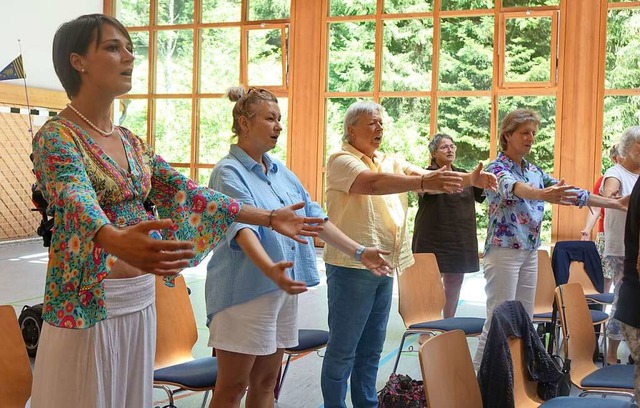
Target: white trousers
109, 365
511, 274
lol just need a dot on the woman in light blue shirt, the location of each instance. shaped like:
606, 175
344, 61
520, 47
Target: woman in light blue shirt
254, 277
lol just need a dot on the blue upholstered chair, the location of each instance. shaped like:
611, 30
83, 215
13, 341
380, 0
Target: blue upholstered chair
421, 300
175, 368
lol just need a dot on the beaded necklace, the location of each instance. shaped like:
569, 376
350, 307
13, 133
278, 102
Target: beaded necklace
94, 127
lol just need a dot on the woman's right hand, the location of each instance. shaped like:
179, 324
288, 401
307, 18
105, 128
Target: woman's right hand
560, 193
134, 246
442, 180
278, 273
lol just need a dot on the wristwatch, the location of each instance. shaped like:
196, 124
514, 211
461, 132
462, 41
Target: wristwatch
359, 252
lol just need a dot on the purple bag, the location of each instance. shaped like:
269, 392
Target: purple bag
401, 391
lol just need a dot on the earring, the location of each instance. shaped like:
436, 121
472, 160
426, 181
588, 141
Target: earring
83, 70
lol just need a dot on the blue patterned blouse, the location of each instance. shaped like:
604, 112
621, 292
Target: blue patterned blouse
515, 222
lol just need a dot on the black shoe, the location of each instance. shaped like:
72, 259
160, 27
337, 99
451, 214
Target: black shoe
631, 360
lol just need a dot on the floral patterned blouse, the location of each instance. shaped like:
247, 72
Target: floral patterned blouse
515, 222
87, 189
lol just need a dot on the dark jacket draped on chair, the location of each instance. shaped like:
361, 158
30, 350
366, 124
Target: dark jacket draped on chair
495, 376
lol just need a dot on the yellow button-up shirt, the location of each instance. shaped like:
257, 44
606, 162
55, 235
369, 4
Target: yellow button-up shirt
372, 220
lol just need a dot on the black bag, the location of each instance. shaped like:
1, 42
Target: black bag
401, 391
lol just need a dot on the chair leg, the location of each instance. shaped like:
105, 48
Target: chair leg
169, 393
204, 400
395, 365
605, 340
281, 380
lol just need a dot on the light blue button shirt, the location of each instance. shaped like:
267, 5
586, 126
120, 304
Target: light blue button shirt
231, 277
515, 222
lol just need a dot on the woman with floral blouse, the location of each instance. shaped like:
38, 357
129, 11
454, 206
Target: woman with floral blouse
515, 212
98, 342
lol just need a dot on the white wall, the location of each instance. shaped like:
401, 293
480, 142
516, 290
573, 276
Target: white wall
34, 22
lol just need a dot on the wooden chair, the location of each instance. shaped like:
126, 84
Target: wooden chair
447, 372
175, 368
421, 300
579, 343
545, 289
15, 368
525, 393
577, 274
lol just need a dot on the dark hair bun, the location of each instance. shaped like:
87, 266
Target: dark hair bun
235, 93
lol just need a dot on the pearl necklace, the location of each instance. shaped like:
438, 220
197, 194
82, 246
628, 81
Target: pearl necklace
94, 127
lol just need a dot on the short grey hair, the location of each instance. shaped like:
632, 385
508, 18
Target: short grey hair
354, 112
628, 138
435, 142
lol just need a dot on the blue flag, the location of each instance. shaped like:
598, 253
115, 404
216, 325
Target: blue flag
14, 70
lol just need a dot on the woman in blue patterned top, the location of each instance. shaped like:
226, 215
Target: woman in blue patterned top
253, 279
515, 216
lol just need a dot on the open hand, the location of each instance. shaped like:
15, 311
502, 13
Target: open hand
560, 193
373, 261
278, 272
623, 202
288, 223
442, 180
482, 179
134, 246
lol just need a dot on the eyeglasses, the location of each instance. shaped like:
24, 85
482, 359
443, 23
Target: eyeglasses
444, 148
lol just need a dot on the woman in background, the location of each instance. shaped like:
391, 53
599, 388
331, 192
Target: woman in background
445, 225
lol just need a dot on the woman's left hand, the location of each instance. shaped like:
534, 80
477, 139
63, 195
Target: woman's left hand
288, 223
482, 179
373, 261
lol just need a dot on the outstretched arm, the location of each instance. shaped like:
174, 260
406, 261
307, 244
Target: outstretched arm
371, 257
372, 183
592, 218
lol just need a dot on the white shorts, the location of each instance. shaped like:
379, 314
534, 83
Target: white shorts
258, 327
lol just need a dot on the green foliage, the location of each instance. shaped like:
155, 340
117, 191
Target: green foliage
269, 9
351, 7
407, 6
528, 49
407, 54
351, 56
219, 11
465, 4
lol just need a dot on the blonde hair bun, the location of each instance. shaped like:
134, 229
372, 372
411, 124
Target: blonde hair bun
235, 93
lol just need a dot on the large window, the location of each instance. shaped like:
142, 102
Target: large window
453, 66
188, 53
621, 82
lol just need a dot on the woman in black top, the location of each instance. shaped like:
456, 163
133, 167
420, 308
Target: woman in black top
628, 310
446, 225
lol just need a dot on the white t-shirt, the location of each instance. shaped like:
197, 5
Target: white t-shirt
614, 220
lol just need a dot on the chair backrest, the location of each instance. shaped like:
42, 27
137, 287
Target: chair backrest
577, 274
420, 291
546, 284
15, 368
579, 336
177, 330
447, 372
524, 388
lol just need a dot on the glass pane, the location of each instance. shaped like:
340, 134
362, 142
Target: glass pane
265, 57
280, 151
466, 53
219, 70
407, 6
269, 9
132, 114
407, 54
351, 7
173, 129
468, 121
215, 129
351, 56
406, 128
133, 13
203, 177
528, 50
140, 80
466, 4
184, 171
174, 67
620, 112
172, 12
219, 11
336, 108
543, 149
623, 49
527, 3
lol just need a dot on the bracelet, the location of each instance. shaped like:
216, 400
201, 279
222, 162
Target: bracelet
422, 183
359, 252
271, 214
